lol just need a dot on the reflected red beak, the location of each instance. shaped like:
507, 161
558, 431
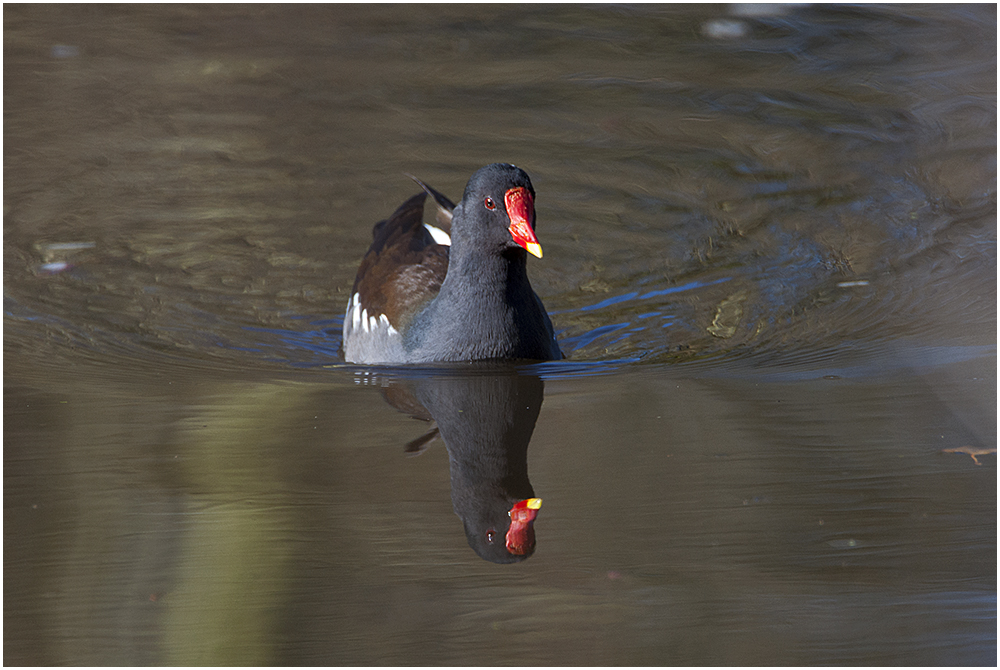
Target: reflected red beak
521, 536
520, 208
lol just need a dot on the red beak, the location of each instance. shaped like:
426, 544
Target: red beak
521, 536
520, 207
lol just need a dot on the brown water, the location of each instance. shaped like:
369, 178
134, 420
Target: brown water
770, 255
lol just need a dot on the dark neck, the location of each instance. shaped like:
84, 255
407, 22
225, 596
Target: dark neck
481, 275
476, 314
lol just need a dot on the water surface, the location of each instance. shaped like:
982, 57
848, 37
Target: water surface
770, 256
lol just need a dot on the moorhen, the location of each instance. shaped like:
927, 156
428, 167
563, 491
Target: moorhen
457, 291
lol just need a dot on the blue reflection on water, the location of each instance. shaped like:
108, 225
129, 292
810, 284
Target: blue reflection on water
635, 295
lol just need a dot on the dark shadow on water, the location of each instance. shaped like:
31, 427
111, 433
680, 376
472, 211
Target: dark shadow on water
485, 415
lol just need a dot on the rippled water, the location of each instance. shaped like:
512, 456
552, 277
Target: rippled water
770, 256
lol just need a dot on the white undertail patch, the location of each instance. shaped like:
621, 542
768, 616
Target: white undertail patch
439, 235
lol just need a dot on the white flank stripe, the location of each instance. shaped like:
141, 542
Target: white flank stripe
384, 321
356, 311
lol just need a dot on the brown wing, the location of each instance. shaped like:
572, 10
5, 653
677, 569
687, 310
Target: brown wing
403, 268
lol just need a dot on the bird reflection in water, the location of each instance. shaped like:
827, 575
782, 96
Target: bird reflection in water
485, 417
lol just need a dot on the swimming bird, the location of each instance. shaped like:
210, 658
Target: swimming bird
457, 290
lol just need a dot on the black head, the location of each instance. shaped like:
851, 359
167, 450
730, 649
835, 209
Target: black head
502, 175
498, 210
501, 531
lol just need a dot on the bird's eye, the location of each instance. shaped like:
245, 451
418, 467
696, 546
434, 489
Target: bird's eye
490, 534
489, 203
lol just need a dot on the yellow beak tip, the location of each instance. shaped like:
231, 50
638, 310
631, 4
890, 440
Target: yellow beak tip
534, 249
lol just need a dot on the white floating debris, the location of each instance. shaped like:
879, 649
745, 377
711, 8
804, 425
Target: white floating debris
765, 9
724, 29
52, 268
68, 246
64, 51
54, 255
